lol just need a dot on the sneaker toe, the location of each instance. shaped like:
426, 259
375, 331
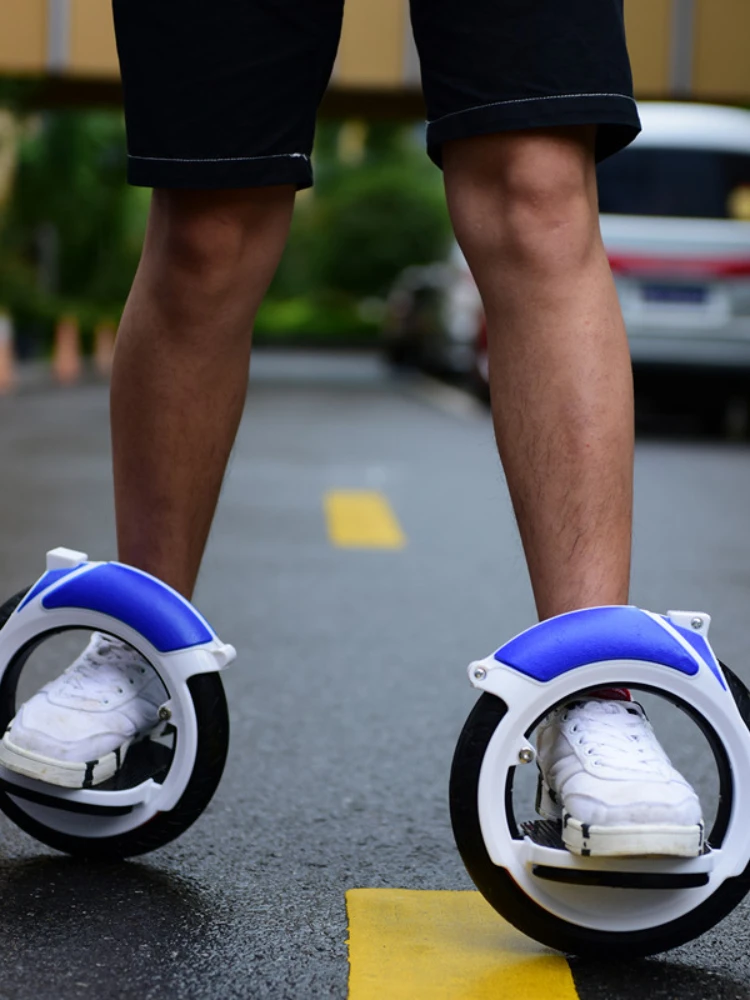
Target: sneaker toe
628, 803
52, 731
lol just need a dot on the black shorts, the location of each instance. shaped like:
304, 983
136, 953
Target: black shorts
224, 93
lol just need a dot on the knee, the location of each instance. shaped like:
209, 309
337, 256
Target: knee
208, 243
524, 200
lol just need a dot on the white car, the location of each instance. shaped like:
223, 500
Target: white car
433, 315
676, 225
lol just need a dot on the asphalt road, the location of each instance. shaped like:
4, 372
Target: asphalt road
350, 689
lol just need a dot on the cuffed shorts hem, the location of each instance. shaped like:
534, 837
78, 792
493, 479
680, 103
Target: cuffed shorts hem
217, 173
615, 114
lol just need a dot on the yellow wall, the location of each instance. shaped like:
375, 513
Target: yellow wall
375, 54
649, 28
372, 50
23, 36
92, 39
722, 56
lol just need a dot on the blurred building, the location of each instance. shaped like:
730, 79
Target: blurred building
680, 48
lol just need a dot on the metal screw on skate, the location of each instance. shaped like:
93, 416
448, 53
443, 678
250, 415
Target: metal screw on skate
617, 906
166, 780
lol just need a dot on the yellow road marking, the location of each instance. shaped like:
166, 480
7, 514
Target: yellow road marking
362, 519
412, 945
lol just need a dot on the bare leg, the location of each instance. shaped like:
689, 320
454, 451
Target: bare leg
524, 209
181, 367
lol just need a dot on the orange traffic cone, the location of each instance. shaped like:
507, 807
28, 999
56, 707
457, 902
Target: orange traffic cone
66, 354
7, 355
104, 348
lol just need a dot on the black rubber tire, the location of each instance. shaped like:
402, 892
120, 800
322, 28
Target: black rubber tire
212, 717
506, 896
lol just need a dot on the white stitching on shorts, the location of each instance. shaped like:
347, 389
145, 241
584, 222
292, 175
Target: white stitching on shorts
526, 100
220, 159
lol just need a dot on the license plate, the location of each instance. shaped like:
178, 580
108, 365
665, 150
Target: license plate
692, 295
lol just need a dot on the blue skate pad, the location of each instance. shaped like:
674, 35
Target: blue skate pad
594, 635
702, 648
50, 577
160, 615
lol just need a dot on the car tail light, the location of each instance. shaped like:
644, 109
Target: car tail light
693, 267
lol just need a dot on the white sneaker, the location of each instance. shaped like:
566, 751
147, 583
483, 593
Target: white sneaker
76, 730
605, 775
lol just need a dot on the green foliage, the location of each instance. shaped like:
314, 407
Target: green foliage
367, 221
313, 318
380, 220
71, 238
72, 234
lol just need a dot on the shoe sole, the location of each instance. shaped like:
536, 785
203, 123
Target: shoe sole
644, 840
63, 773
647, 840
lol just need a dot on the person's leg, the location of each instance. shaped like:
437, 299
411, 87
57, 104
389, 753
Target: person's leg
521, 102
220, 106
524, 209
181, 367
178, 390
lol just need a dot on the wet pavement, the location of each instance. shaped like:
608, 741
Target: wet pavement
349, 690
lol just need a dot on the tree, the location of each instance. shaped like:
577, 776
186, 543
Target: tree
73, 228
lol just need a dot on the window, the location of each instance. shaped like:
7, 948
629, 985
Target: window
686, 183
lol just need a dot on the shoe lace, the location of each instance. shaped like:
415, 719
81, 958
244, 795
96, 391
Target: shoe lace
103, 668
611, 731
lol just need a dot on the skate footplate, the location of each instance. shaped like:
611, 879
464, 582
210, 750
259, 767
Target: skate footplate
545, 832
550, 859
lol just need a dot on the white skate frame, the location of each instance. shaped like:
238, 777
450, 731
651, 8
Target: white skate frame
589, 906
32, 622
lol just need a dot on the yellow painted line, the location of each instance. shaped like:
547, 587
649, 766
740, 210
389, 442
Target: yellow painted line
362, 519
412, 945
